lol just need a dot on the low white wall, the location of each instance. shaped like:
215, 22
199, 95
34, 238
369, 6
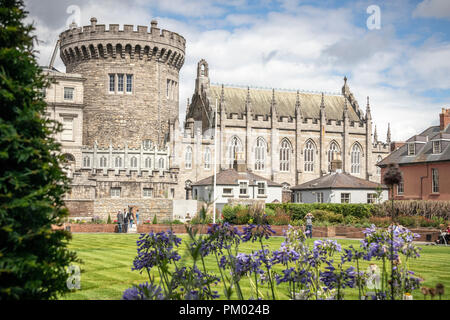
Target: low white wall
182, 207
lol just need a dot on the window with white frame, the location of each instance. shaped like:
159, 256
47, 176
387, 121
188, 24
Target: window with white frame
243, 187
129, 83
67, 129
188, 158
345, 197
285, 153
147, 192
319, 197
161, 163
435, 180
133, 162
115, 192
68, 93
332, 153
355, 158
120, 83
400, 187
86, 162
148, 162
309, 156
112, 83
147, 144
411, 149
227, 191
260, 154
103, 162
261, 188
371, 197
208, 158
118, 162
436, 147
299, 197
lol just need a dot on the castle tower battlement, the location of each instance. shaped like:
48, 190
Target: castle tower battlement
131, 90
94, 42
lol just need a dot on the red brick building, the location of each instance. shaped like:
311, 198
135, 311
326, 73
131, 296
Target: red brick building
424, 161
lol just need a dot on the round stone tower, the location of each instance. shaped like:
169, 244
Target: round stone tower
132, 80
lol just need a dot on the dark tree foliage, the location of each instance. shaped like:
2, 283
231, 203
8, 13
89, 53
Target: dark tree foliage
33, 258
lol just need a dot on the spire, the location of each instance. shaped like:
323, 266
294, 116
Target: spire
222, 94
298, 111
388, 136
322, 107
248, 101
273, 103
345, 88
368, 114
375, 135
345, 108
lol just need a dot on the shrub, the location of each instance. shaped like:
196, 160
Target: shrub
109, 219
155, 220
242, 215
299, 210
229, 214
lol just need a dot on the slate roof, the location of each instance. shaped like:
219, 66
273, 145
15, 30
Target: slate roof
338, 180
285, 103
231, 177
424, 151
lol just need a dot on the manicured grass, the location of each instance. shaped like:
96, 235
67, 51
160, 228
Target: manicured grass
108, 258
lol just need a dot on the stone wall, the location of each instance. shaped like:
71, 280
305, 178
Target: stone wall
148, 208
80, 208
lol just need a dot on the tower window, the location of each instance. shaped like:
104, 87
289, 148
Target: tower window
120, 82
129, 83
112, 83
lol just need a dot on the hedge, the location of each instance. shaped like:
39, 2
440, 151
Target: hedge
299, 210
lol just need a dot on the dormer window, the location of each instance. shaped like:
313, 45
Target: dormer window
436, 147
411, 149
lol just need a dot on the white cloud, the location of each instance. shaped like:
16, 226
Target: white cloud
433, 9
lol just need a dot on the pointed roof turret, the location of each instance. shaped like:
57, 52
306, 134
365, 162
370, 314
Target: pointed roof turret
375, 135
322, 107
298, 111
273, 103
368, 114
248, 101
388, 136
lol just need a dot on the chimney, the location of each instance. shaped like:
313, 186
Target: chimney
336, 164
239, 163
444, 118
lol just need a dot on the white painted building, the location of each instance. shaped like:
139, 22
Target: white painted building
236, 184
338, 187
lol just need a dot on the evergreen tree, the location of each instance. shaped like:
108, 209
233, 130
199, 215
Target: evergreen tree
33, 257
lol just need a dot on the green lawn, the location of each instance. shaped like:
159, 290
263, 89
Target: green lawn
108, 258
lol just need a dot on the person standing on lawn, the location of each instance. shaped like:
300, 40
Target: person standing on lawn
125, 220
131, 216
120, 220
308, 219
137, 216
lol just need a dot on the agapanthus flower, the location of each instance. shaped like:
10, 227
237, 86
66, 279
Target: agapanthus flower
256, 232
222, 236
143, 291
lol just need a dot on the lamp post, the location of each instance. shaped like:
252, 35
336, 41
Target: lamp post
215, 164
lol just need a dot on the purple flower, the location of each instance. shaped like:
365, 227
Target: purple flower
256, 232
144, 291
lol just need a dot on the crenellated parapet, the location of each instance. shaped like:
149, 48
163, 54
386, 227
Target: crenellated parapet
79, 44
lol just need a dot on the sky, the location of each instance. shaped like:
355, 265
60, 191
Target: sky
395, 52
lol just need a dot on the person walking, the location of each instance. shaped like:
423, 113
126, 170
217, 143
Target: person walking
130, 214
120, 220
309, 218
125, 220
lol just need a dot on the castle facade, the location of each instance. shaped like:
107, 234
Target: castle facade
119, 105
